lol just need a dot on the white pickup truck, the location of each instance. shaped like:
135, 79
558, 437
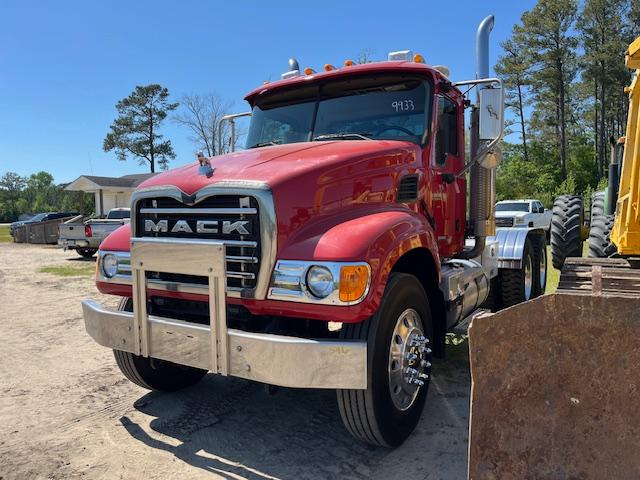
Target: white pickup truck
85, 236
523, 213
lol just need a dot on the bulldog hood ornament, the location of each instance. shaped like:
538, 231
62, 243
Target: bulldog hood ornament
205, 166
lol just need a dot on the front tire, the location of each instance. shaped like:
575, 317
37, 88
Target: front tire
566, 229
152, 373
600, 245
398, 366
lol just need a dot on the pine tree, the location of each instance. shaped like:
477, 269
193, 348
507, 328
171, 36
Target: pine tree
513, 68
550, 48
605, 34
135, 131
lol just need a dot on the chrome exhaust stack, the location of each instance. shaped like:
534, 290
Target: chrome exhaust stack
485, 155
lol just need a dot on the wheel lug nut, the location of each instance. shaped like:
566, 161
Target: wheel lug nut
418, 382
423, 376
411, 371
425, 364
411, 356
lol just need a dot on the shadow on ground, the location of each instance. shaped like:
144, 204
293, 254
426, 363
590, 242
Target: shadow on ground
236, 428
78, 258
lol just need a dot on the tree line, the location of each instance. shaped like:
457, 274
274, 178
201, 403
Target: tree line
564, 73
38, 193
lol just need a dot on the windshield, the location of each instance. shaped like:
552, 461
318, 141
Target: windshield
389, 107
512, 207
37, 218
119, 214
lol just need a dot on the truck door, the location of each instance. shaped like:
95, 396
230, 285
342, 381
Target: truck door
449, 191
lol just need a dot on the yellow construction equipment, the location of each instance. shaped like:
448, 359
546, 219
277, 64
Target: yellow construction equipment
626, 228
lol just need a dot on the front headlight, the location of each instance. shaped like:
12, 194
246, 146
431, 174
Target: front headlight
519, 220
109, 265
324, 283
320, 281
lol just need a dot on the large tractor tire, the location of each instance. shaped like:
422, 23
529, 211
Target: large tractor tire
398, 369
597, 206
518, 286
566, 229
600, 245
152, 373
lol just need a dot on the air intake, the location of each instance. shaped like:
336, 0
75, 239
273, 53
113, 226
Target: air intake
408, 189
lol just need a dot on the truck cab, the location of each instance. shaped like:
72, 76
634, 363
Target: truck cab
334, 251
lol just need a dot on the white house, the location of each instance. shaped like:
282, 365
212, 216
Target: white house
109, 192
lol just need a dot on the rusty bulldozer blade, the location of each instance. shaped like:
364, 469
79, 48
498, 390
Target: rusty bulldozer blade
556, 383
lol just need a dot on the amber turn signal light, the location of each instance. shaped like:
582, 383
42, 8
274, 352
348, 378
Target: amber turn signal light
418, 58
353, 282
348, 63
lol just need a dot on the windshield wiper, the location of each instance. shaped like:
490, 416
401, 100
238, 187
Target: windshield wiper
265, 144
342, 136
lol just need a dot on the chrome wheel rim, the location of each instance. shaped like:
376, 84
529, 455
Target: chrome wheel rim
528, 278
543, 269
409, 360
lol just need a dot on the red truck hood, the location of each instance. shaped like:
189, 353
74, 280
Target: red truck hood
315, 186
282, 163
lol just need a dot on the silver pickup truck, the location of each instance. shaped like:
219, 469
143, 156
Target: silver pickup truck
85, 236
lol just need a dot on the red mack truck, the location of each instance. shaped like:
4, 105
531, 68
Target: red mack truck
334, 252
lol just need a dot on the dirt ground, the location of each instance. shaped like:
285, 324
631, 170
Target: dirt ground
66, 412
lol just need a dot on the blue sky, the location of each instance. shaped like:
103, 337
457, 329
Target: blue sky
64, 65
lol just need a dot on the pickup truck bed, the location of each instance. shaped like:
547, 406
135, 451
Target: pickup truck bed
85, 236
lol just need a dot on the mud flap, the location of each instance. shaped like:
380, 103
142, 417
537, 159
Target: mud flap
555, 388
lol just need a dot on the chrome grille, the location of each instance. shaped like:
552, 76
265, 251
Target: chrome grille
172, 218
504, 222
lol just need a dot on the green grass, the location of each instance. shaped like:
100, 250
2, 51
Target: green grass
553, 275
81, 270
4, 234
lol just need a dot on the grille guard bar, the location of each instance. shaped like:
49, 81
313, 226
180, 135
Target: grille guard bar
273, 359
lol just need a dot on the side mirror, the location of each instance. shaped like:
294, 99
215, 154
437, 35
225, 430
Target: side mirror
541, 210
231, 119
491, 113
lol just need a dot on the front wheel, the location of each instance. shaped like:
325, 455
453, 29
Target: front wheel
398, 336
152, 373
600, 245
566, 229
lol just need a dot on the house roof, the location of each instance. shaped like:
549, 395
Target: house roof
92, 182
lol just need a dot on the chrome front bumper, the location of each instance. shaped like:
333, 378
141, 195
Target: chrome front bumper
273, 359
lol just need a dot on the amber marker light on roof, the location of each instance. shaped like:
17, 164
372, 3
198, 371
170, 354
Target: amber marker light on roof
348, 63
354, 280
328, 67
418, 58
308, 71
